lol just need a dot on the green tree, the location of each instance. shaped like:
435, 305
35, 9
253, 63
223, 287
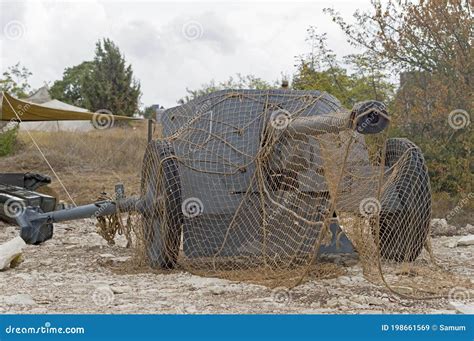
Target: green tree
238, 82
370, 77
111, 84
107, 83
15, 81
333, 80
148, 112
70, 88
321, 70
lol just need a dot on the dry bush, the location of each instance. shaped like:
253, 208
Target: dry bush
457, 210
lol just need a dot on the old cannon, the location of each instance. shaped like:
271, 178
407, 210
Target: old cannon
261, 175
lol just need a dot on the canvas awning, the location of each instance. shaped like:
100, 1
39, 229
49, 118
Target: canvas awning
18, 110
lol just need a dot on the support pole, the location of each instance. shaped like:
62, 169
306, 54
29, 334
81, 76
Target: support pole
150, 130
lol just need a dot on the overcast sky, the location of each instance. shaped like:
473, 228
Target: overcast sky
171, 45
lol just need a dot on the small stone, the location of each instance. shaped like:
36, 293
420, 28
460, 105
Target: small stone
24, 276
46, 262
403, 290
451, 244
360, 299
467, 309
109, 259
440, 227
375, 301
190, 309
10, 230
344, 280
123, 259
441, 312
217, 291
19, 299
101, 283
469, 229
332, 303
106, 255
466, 240
120, 289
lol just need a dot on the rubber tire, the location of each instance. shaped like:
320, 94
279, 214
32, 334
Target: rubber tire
162, 238
405, 204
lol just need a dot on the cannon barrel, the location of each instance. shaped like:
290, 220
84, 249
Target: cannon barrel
97, 209
33, 223
369, 117
317, 125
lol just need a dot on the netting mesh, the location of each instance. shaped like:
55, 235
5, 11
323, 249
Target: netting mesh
256, 185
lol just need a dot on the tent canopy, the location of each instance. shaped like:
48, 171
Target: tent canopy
18, 110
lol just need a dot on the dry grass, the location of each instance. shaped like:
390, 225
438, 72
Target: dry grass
86, 162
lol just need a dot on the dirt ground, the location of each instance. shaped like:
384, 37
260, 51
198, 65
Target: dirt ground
76, 272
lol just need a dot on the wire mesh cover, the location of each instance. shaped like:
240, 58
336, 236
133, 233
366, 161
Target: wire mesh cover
245, 184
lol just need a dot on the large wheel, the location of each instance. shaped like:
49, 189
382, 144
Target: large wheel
162, 215
405, 203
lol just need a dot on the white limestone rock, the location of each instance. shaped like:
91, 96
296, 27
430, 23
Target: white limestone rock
10, 251
466, 240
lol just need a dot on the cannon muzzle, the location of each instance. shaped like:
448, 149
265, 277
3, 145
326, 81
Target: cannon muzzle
370, 117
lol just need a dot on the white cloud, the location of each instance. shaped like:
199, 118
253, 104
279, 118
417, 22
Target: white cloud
140, 39
157, 38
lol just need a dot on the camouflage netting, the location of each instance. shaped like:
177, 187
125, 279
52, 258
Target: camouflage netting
251, 185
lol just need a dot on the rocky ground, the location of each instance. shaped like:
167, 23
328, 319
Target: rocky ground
76, 272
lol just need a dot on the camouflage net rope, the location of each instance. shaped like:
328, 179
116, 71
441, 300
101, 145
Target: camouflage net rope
112, 225
251, 185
